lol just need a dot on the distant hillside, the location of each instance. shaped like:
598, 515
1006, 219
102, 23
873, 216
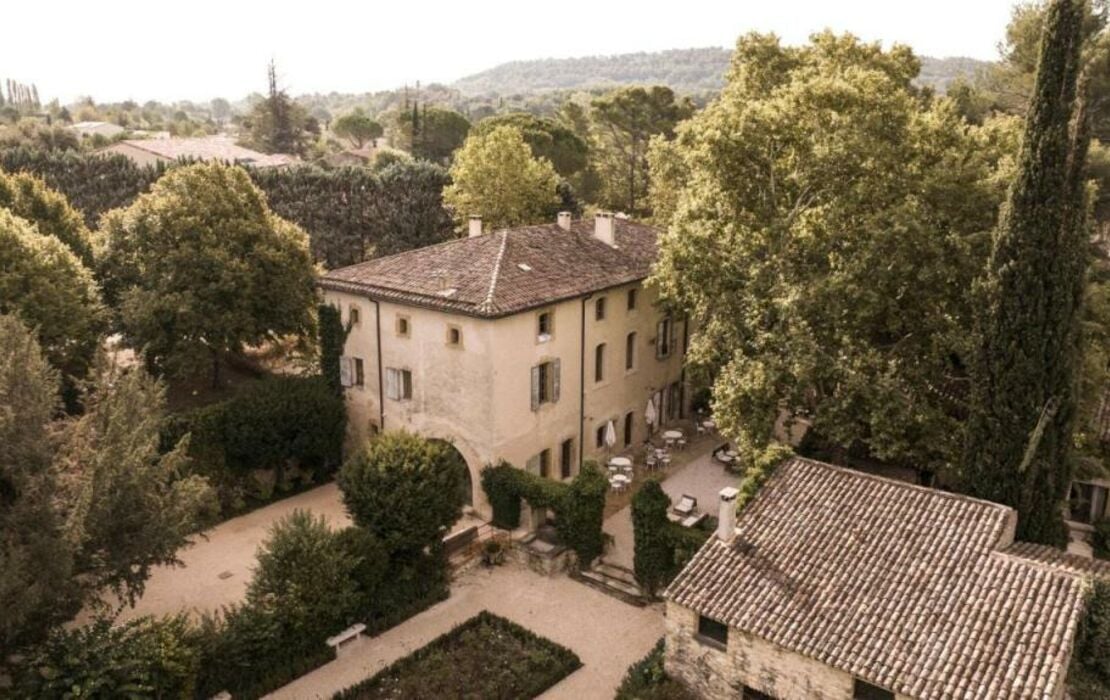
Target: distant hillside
684, 70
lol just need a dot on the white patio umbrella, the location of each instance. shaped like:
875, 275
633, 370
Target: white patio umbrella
650, 414
610, 435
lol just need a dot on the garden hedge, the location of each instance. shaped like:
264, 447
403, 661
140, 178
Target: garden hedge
647, 680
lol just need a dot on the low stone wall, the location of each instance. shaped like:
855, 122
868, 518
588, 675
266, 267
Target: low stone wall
716, 674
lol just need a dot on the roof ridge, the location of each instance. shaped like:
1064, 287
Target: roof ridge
487, 304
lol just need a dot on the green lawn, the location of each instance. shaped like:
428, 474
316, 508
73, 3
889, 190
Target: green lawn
485, 658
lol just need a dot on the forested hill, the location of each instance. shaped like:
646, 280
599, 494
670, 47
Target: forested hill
684, 70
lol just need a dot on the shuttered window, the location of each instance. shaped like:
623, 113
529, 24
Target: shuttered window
566, 458
630, 351
398, 384
664, 338
346, 371
545, 383
360, 379
599, 362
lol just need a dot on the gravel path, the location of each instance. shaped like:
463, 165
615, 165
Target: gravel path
607, 634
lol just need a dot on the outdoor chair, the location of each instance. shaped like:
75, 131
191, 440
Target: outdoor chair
686, 505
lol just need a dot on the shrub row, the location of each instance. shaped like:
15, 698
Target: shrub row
647, 680
662, 548
579, 506
278, 424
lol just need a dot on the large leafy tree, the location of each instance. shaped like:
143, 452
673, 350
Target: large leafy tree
404, 489
624, 121
357, 128
496, 177
1024, 398
201, 266
29, 198
44, 282
567, 152
825, 225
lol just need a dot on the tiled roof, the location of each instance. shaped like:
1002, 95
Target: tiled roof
902, 586
504, 272
209, 148
1059, 559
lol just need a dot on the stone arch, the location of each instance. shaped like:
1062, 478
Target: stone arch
474, 464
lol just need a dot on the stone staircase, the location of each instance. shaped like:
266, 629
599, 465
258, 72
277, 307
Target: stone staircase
615, 580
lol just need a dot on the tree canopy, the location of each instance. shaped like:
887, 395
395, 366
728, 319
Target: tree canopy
200, 265
29, 198
496, 177
826, 225
357, 128
566, 152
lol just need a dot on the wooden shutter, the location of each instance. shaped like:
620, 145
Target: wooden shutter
406, 384
555, 380
532, 466
660, 339
345, 366
535, 388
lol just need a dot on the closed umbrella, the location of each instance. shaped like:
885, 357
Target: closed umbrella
610, 435
650, 414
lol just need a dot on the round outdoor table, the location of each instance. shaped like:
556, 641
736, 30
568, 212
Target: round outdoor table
620, 462
619, 481
709, 424
672, 434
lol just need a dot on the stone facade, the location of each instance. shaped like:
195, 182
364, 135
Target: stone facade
716, 673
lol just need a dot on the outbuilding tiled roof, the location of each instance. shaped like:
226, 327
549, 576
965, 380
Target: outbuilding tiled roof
506, 271
219, 148
905, 587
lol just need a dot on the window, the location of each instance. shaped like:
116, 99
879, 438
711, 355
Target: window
866, 691
628, 429
599, 362
398, 384
716, 633
545, 383
632, 299
601, 435
566, 457
664, 338
454, 336
360, 379
353, 315
1087, 502
748, 693
544, 327
403, 326
630, 351
545, 463
347, 371
599, 309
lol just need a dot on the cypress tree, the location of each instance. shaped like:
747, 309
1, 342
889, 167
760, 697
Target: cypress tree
1023, 402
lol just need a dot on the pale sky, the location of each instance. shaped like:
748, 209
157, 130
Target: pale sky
199, 49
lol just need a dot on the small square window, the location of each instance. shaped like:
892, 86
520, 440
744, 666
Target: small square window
599, 309
716, 633
454, 336
403, 326
544, 327
632, 299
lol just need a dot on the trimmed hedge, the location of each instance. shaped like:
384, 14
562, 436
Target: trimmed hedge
485, 657
662, 548
579, 506
647, 680
276, 423
1089, 676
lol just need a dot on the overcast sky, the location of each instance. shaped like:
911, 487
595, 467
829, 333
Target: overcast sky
199, 49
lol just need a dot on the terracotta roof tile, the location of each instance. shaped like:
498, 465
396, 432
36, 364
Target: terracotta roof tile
504, 272
912, 589
209, 148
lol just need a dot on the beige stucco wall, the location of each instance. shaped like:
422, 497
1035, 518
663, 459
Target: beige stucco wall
717, 674
479, 395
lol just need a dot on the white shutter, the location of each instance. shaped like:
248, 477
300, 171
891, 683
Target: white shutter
391, 384
532, 466
535, 388
555, 380
346, 371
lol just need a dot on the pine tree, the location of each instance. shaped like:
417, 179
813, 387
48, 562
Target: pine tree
1023, 404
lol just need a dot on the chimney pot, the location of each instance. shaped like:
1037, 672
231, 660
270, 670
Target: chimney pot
475, 226
564, 220
726, 517
605, 229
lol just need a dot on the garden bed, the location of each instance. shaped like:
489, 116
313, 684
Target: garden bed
486, 657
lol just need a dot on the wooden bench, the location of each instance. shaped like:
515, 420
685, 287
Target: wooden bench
351, 634
457, 541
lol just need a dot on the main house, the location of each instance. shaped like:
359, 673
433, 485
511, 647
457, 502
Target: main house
834, 584
520, 344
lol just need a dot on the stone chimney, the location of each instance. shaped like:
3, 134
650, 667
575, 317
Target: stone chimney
564, 220
726, 517
605, 229
475, 226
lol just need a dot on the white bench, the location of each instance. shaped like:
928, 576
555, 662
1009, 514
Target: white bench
351, 634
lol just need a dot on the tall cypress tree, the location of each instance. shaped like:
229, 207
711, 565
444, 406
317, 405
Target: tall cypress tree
1023, 404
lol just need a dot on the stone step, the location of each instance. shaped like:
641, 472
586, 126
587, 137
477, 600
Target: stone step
616, 571
619, 589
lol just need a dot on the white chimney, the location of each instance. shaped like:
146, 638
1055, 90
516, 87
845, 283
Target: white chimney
475, 226
726, 518
605, 229
564, 220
